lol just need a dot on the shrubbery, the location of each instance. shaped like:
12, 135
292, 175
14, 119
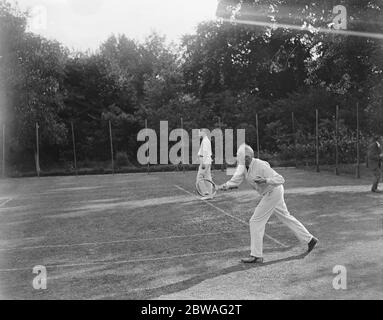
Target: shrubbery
305, 149
122, 160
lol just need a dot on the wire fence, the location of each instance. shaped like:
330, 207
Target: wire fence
107, 147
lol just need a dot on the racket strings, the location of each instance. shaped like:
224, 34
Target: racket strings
206, 187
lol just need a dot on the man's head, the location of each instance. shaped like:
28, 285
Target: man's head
249, 155
245, 154
204, 133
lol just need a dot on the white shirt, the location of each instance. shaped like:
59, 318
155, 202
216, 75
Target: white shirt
257, 168
205, 151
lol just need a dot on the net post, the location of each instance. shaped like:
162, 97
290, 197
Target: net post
74, 148
111, 145
336, 141
357, 143
257, 132
182, 145
317, 139
223, 137
146, 134
295, 139
37, 157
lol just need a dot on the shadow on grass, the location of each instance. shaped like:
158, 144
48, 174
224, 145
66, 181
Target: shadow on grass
186, 284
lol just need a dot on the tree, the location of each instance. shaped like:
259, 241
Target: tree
31, 74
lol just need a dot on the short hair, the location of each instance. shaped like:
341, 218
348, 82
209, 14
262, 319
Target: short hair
243, 151
249, 151
205, 131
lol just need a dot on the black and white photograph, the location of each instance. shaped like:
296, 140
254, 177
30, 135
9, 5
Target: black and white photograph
191, 150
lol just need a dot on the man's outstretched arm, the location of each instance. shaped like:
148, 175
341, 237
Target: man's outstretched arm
236, 180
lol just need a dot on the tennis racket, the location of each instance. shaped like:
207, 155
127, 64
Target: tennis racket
206, 187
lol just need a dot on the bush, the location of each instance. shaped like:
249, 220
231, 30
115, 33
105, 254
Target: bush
305, 149
122, 159
265, 156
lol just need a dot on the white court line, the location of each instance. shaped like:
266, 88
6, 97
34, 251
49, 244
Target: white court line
70, 189
150, 258
5, 202
231, 216
117, 241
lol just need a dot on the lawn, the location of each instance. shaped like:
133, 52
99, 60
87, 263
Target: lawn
149, 236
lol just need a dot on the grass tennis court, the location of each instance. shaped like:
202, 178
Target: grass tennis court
148, 236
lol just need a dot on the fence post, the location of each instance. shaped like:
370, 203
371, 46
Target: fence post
357, 143
295, 139
37, 159
111, 145
223, 137
74, 149
336, 141
317, 138
257, 131
3, 154
146, 134
182, 145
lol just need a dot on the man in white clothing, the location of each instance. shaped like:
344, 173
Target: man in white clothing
204, 170
269, 184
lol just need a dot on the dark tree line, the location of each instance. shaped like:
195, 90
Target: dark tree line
225, 71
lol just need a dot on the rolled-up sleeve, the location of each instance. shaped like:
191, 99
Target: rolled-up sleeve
237, 178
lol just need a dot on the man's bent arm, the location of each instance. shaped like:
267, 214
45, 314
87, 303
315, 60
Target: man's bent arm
272, 178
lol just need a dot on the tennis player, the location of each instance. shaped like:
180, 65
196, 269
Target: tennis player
204, 170
269, 184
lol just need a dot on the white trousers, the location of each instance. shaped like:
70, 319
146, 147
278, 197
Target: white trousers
204, 174
273, 202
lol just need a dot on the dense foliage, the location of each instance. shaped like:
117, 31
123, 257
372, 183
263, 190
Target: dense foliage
225, 73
